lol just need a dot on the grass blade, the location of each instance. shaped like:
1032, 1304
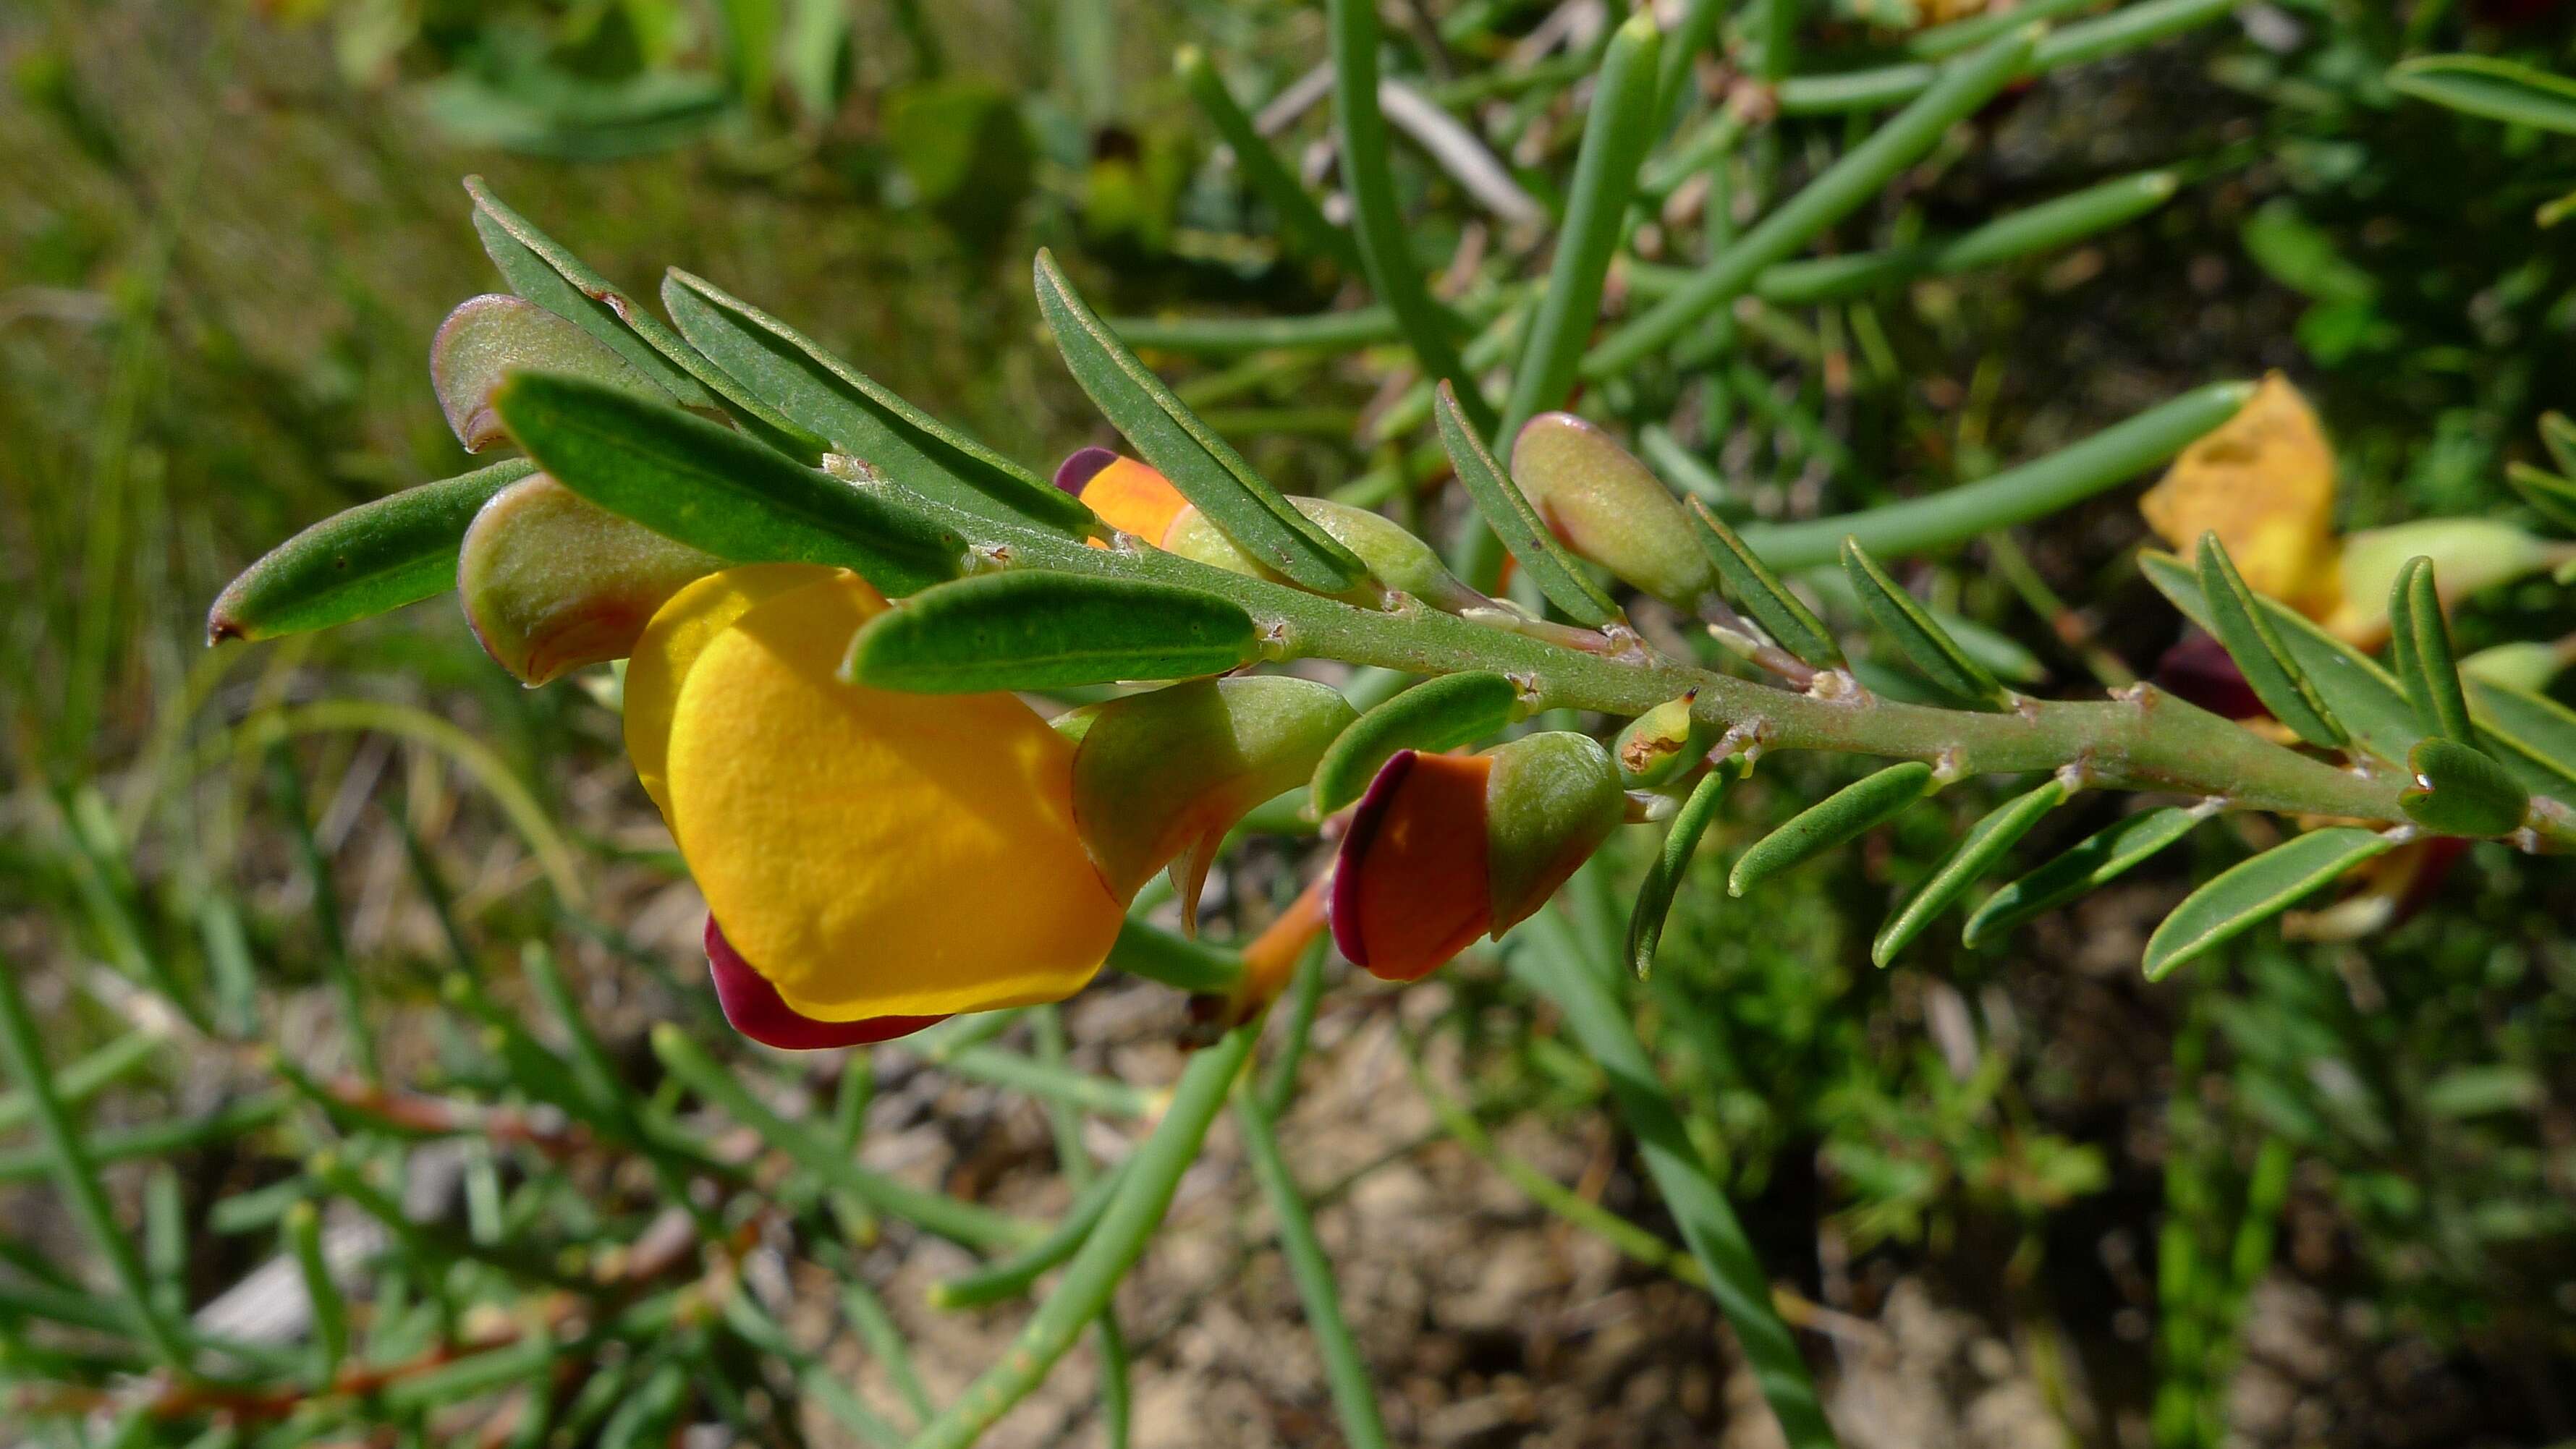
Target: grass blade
1346, 1371
1861, 175
1385, 242
1616, 133
1135, 1210
1298, 214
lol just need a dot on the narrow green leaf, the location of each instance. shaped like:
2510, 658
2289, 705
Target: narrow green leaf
2254, 891
859, 416
544, 272
2369, 704
1855, 808
1616, 132
2492, 87
1967, 863
1437, 714
361, 561
2531, 734
2094, 862
1926, 643
1377, 216
1861, 175
2460, 791
1035, 629
1298, 214
1664, 874
2558, 435
1759, 593
1513, 519
2247, 632
2553, 496
708, 486
540, 269
1204, 467
2420, 638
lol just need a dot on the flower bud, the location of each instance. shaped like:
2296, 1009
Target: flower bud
551, 581
490, 336
1132, 497
1445, 848
1552, 799
1660, 744
1605, 506
1159, 778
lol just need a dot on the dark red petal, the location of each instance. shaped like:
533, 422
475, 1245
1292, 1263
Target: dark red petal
1365, 820
2200, 670
756, 1010
1076, 472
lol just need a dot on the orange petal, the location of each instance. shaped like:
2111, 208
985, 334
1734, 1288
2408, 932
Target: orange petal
1128, 495
1410, 889
878, 853
2265, 483
672, 642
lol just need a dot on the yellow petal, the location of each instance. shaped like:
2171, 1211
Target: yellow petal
877, 853
672, 642
2265, 483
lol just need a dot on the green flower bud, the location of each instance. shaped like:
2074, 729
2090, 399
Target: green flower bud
551, 581
1550, 801
1395, 558
1660, 744
488, 337
1608, 508
1160, 777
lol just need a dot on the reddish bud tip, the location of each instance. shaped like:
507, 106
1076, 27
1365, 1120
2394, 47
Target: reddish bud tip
1076, 471
755, 1008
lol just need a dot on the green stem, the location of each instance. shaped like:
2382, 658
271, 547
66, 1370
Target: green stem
2148, 741
1144, 1193
1346, 1370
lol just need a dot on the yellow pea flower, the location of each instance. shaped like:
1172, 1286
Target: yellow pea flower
870, 854
2264, 482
